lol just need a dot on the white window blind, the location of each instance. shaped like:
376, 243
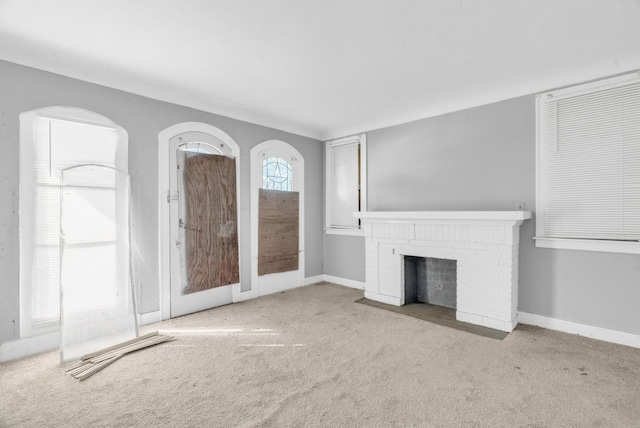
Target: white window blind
344, 181
55, 144
589, 160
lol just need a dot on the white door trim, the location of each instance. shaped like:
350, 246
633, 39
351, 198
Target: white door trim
164, 234
284, 150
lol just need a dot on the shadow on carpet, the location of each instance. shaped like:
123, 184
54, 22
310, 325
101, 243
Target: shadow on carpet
438, 315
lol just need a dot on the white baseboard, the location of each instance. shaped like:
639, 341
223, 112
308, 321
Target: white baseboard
29, 346
46, 342
604, 334
244, 295
313, 279
344, 281
150, 318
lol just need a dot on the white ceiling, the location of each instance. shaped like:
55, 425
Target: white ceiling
325, 68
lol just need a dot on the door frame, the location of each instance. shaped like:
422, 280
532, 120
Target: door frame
164, 232
284, 150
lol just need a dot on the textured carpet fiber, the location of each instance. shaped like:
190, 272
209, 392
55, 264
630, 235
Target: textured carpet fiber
313, 357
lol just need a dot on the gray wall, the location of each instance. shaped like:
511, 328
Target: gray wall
24, 89
484, 159
344, 256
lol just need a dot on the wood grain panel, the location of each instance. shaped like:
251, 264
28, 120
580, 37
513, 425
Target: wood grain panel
211, 222
278, 220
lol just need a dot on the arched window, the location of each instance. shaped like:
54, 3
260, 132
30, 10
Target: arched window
277, 174
52, 139
277, 186
193, 155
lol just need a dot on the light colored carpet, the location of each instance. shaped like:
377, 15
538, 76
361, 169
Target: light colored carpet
313, 357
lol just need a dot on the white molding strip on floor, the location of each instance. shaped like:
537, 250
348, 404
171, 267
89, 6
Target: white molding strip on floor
29, 346
313, 280
150, 318
604, 334
344, 281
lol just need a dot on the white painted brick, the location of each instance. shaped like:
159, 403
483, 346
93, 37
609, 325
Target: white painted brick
472, 232
455, 246
481, 257
463, 252
393, 230
486, 234
476, 246
411, 233
464, 317
439, 249
505, 261
457, 235
366, 229
505, 302
429, 232
506, 288
509, 235
386, 248
464, 233
493, 260
479, 266
491, 323
393, 241
446, 232
507, 276
487, 264
493, 234
493, 274
492, 248
494, 304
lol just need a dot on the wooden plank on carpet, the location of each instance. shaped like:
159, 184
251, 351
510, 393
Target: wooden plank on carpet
92, 363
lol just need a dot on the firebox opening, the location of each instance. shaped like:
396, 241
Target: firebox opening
430, 280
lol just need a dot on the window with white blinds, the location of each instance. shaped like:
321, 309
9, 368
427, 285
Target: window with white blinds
345, 183
51, 140
589, 161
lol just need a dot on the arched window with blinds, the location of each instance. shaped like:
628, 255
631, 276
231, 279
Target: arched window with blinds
52, 139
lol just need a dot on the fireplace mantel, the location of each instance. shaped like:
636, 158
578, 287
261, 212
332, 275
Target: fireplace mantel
485, 245
448, 216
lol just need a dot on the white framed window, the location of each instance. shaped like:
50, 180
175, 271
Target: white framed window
345, 184
52, 139
588, 166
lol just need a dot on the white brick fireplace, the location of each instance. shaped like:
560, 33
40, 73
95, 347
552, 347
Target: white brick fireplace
484, 244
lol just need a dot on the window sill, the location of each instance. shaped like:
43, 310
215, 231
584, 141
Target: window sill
344, 232
30, 329
589, 245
